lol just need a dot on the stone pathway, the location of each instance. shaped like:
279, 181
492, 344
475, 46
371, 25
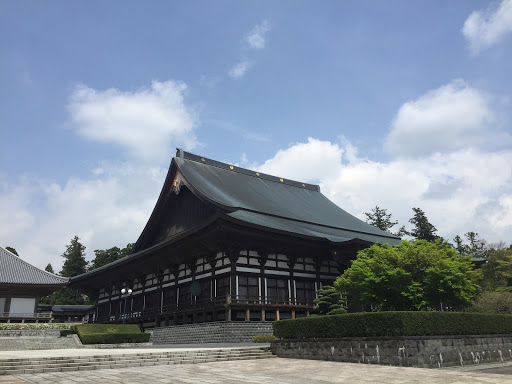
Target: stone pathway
277, 370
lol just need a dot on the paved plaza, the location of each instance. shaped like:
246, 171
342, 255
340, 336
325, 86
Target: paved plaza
276, 370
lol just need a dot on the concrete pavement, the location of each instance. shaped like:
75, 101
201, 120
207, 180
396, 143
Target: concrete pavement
277, 370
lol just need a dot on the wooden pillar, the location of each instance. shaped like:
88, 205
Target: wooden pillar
193, 267
263, 291
233, 255
141, 279
212, 261
110, 289
174, 269
247, 314
277, 314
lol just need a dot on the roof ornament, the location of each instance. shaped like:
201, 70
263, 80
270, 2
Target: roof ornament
176, 185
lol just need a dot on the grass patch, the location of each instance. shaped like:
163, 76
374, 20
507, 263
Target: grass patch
263, 338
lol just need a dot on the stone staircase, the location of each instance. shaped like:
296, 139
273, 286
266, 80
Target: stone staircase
83, 363
23, 340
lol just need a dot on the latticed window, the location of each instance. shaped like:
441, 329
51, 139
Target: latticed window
223, 286
248, 288
304, 292
277, 291
184, 299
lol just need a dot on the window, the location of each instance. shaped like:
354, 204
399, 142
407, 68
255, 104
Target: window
223, 286
304, 292
248, 288
184, 298
277, 291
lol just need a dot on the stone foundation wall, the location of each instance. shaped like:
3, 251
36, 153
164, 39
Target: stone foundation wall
426, 351
215, 332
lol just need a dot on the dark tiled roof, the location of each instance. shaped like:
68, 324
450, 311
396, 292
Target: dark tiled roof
14, 270
273, 202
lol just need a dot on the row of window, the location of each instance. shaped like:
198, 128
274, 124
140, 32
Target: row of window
249, 258
278, 291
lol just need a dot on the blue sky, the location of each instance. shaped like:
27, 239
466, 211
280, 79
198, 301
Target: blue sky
398, 104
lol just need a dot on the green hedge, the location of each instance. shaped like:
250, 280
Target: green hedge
110, 333
114, 338
370, 324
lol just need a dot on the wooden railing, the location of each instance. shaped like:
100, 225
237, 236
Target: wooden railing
12, 315
206, 304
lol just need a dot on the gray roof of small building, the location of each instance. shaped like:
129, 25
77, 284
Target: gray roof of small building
273, 202
14, 270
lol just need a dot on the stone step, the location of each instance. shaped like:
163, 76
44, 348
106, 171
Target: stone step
64, 364
114, 359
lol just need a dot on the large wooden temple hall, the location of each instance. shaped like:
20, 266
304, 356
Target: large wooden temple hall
228, 244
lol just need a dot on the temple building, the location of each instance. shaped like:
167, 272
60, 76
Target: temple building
21, 286
226, 243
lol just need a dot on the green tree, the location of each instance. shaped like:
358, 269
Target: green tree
12, 250
329, 302
423, 230
497, 271
415, 275
381, 219
476, 247
493, 302
75, 263
107, 256
49, 268
65, 296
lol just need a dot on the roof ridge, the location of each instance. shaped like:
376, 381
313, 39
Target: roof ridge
248, 172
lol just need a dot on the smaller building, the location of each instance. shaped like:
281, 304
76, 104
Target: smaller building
21, 286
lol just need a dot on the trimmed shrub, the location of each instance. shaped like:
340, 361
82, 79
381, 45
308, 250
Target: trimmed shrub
114, 338
263, 338
371, 324
65, 332
110, 333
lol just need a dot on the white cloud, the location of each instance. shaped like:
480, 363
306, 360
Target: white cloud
256, 38
39, 218
483, 29
239, 69
147, 122
456, 190
451, 117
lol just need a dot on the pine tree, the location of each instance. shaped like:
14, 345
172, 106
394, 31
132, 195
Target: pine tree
329, 302
49, 268
423, 230
380, 218
75, 263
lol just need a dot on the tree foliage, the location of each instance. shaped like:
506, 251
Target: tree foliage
49, 268
476, 247
381, 219
423, 229
416, 275
107, 256
497, 272
12, 250
329, 302
65, 296
75, 263
493, 302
